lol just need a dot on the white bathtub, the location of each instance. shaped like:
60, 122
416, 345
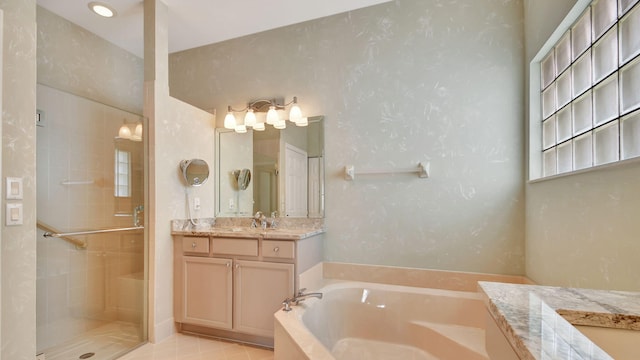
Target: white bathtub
357, 320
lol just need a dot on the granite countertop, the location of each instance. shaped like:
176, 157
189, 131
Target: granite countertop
537, 320
244, 233
209, 228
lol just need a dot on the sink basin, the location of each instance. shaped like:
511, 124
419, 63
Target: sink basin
621, 344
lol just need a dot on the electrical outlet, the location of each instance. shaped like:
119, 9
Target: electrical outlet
231, 204
196, 203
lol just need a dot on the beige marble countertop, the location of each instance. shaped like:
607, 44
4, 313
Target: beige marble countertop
537, 320
206, 227
244, 233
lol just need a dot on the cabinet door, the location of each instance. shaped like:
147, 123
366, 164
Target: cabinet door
260, 288
207, 291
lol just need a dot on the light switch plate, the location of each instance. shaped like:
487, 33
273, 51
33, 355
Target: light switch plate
14, 188
14, 214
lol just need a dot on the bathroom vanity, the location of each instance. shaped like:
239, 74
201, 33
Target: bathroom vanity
228, 282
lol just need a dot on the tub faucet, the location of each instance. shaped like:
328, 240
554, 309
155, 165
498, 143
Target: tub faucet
299, 298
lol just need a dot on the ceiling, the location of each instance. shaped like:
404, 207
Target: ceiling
194, 23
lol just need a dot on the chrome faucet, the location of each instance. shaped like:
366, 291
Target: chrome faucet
301, 296
259, 216
274, 217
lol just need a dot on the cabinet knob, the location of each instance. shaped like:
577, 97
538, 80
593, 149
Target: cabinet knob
228, 264
193, 245
276, 249
237, 266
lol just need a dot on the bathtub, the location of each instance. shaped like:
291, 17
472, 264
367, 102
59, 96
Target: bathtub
357, 320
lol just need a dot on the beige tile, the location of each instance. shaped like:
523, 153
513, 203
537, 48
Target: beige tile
192, 347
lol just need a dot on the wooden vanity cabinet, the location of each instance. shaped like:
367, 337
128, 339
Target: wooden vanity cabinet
259, 289
207, 291
230, 287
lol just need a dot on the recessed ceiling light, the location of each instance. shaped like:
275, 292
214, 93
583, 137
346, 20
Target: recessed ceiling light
102, 9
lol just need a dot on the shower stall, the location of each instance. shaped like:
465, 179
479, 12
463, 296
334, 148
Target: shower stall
91, 249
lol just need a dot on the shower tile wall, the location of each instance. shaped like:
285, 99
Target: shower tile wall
79, 289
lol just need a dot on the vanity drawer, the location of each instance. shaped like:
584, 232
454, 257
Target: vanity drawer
278, 249
198, 245
229, 246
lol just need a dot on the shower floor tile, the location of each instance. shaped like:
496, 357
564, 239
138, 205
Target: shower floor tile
192, 347
105, 343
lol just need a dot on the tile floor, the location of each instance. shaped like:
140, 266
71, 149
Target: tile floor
192, 347
103, 342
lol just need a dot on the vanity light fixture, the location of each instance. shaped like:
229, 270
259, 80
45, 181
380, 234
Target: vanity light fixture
126, 132
271, 108
102, 9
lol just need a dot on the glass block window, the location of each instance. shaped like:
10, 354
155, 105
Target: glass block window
590, 90
122, 174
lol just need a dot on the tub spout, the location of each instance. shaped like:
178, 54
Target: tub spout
299, 298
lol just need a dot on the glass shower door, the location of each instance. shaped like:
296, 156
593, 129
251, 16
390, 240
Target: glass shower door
91, 285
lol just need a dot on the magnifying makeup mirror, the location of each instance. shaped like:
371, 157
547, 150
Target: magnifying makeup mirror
195, 171
243, 177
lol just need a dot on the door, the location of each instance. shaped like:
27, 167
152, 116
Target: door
207, 291
316, 187
260, 289
295, 162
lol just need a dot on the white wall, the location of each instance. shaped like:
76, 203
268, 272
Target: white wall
582, 229
74, 60
398, 83
177, 131
18, 243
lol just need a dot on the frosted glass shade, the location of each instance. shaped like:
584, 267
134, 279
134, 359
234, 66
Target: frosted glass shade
272, 115
250, 118
295, 114
230, 121
124, 132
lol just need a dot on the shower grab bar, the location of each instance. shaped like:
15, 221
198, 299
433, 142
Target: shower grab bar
48, 228
89, 232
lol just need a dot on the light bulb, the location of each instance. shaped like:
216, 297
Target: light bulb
295, 114
102, 9
280, 124
124, 132
230, 121
137, 133
250, 118
272, 115
241, 129
259, 126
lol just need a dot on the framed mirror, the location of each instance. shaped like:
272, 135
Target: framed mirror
195, 172
287, 171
